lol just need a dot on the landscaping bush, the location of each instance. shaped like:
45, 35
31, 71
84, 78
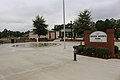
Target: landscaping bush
118, 54
43, 39
102, 52
81, 45
85, 51
116, 49
89, 51
80, 49
99, 52
32, 40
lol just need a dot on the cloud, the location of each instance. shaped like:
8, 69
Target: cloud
18, 14
107, 11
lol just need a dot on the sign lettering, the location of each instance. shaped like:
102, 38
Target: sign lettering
98, 36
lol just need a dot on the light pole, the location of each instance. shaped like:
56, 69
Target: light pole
64, 21
71, 29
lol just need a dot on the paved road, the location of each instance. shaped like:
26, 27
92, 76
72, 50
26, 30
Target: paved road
53, 63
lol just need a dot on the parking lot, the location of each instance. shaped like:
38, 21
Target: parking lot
54, 63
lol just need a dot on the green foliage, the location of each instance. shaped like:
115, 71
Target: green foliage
99, 52
116, 49
43, 39
5, 33
100, 25
117, 33
85, 51
104, 25
108, 24
102, 52
89, 51
83, 22
40, 27
0, 34
9, 34
118, 53
80, 48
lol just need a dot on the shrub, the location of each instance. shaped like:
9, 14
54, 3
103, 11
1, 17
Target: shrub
80, 49
32, 39
81, 45
116, 49
102, 52
85, 50
89, 51
43, 39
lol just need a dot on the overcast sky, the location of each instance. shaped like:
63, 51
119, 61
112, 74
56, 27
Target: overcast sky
18, 14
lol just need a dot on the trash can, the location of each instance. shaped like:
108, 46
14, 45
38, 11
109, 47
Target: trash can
12, 41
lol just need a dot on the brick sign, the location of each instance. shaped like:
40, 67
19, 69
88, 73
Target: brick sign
98, 36
100, 39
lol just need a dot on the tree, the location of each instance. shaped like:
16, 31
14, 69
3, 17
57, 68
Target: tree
83, 22
104, 25
0, 34
40, 27
113, 22
108, 24
17, 34
5, 33
58, 27
100, 25
116, 24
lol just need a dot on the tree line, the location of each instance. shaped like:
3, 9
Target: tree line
10, 34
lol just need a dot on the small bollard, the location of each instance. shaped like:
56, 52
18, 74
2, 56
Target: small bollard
75, 53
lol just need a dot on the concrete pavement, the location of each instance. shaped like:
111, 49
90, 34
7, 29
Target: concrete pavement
54, 63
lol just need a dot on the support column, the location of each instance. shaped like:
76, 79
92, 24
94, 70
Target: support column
110, 41
86, 37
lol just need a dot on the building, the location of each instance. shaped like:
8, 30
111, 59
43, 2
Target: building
68, 33
32, 35
50, 35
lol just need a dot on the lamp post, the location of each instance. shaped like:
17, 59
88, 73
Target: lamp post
64, 21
